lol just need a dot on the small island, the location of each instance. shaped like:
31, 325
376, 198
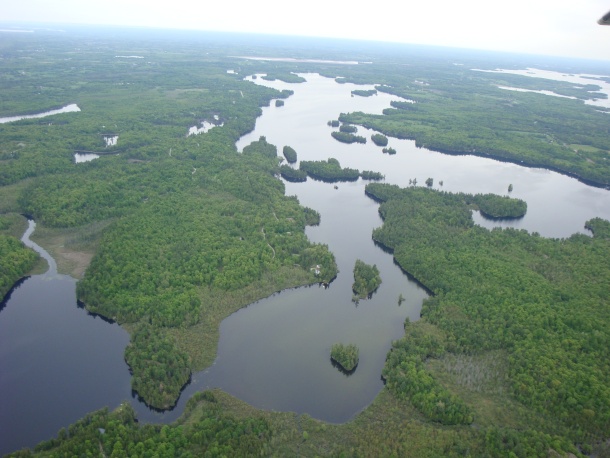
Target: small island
390, 151
345, 357
379, 139
366, 279
290, 154
345, 137
279, 103
348, 128
364, 93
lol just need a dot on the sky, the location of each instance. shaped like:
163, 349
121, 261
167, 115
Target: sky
548, 27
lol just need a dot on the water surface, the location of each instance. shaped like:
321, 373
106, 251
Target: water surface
67, 109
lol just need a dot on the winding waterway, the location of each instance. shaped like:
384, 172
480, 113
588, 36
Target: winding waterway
67, 109
59, 362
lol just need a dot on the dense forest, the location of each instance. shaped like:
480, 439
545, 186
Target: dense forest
510, 357
17, 260
532, 299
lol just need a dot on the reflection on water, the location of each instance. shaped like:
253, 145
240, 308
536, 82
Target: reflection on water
67, 109
85, 157
57, 361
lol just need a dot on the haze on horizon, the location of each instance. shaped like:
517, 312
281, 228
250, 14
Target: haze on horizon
548, 27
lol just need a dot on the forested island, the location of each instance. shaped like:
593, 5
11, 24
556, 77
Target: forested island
510, 356
379, 139
364, 92
290, 154
345, 137
366, 279
346, 356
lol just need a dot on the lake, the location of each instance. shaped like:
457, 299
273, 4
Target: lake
60, 362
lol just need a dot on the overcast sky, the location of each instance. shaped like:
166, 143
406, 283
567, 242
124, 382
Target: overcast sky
553, 27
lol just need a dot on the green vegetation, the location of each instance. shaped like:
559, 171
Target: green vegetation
161, 368
364, 93
491, 205
494, 206
334, 123
279, 103
262, 148
366, 279
182, 220
348, 128
379, 139
389, 151
209, 432
292, 174
17, 260
599, 227
346, 356
519, 127
215, 424
345, 137
329, 171
406, 375
537, 299
370, 175
286, 77
290, 154
186, 231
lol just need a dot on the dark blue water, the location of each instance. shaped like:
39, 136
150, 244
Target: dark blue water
57, 361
